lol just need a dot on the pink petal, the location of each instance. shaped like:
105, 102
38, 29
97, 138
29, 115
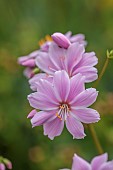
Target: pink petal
57, 56
76, 86
85, 98
34, 80
89, 72
40, 101
61, 85
28, 72
29, 63
107, 166
44, 63
80, 164
53, 128
86, 115
98, 161
31, 114
75, 127
41, 117
74, 55
88, 59
2, 166
46, 88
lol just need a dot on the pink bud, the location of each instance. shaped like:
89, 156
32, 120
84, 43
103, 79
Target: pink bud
31, 114
2, 166
9, 165
61, 40
29, 63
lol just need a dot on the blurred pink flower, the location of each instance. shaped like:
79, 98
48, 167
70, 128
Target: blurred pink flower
2, 166
98, 163
64, 100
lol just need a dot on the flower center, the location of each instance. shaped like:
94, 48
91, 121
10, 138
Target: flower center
44, 40
63, 112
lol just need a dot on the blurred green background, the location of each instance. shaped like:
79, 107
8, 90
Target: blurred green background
22, 24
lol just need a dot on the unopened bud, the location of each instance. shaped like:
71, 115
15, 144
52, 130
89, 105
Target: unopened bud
61, 40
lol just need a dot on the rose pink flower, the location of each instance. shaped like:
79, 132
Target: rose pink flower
98, 163
73, 60
63, 100
2, 166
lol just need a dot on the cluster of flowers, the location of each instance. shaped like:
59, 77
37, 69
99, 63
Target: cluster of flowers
4, 162
60, 91
60, 95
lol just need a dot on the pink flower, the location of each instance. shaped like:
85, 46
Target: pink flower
64, 100
2, 166
98, 163
74, 60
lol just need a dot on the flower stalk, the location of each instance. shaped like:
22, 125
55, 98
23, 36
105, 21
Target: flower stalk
90, 126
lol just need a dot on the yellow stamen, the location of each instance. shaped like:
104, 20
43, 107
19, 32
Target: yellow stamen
48, 38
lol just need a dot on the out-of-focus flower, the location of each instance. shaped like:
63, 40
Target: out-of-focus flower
73, 60
98, 163
29, 60
5, 162
2, 166
64, 100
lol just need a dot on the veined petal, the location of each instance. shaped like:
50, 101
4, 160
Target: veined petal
44, 63
40, 101
46, 88
107, 166
88, 59
41, 117
75, 127
61, 83
53, 128
85, 98
86, 115
98, 161
57, 56
34, 80
89, 72
74, 55
76, 86
80, 164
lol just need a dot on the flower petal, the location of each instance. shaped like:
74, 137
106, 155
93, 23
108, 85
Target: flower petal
98, 161
40, 118
75, 127
80, 164
57, 56
53, 128
88, 59
86, 115
107, 166
76, 86
85, 98
44, 63
33, 81
74, 55
40, 101
61, 83
88, 71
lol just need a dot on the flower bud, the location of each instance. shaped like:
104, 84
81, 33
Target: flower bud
2, 166
31, 114
61, 40
7, 163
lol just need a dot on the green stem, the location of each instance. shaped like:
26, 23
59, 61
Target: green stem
90, 126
